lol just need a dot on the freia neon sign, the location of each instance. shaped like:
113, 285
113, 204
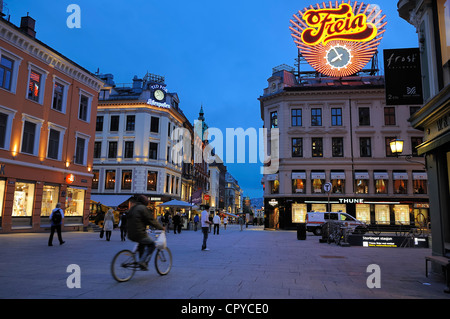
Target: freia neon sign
338, 40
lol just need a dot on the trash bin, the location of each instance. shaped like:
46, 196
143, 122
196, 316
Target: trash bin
301, 231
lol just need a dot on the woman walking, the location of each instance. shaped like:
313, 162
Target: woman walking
108, 224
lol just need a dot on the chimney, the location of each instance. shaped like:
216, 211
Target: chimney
27, 25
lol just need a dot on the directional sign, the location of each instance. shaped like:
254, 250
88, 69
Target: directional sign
327, 187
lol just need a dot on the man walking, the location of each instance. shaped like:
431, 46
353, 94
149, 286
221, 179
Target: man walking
56, 218
205, 225
216, 221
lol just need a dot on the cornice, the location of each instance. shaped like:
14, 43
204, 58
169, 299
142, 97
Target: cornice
40, 51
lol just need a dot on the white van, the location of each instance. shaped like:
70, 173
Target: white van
315, 220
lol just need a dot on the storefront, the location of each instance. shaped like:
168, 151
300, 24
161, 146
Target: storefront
286, 213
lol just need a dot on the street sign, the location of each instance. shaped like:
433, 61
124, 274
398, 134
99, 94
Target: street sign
327, 187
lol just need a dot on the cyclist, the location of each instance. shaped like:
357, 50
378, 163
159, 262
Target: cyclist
138, 218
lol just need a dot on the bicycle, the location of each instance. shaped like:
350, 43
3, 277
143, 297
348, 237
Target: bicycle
126, 262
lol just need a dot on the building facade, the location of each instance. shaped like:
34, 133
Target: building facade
134, 145
338, 131
233, 194
432, 20
48, 107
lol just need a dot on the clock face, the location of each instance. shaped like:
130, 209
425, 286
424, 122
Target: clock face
159, 95
338, 56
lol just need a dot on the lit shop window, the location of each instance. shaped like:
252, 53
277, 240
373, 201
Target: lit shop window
2, 195
363, 212
50, 196
319, 208
299, 213
127, 178
74, 202
338, 182
339, 208
400, 183
152, 178
23, 199
382, 215
274, 186
381, 182
401, 214
361, 186
298, 182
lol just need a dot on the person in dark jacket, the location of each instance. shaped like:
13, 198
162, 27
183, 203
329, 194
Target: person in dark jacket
138, 218
177, 223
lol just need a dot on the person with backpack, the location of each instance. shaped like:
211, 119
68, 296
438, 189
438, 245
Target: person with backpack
56, 218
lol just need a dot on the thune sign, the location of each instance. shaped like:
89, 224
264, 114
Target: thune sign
338, 39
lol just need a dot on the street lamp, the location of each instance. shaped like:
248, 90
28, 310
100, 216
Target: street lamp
397, 149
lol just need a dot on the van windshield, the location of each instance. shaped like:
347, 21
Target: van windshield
346, 217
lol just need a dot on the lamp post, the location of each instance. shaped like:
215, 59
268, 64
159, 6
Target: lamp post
397, 149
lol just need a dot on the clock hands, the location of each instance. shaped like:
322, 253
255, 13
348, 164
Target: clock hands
337, 57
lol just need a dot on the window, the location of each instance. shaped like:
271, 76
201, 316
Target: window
317, 147
153, 151
382, 214
99, 124
387, 141
152, 180
154, 124
130, 122
74, 202
415, 141
97, 149
28, 137
336, 117
112, 149
95, 179
83, 112
274, 186
400, 182
80, 151
296, 117
127, 179
110, 179
298, 182
129, 149
273, 119
53, 144
337, 145
23, 199
167, 183
58, 96
364, 116
34, 86
6, 72
365, 148
297, 147
389, 116
168, 130
3, 129
338, 182
361, 186
381, 182
114, 125
50, 196
316, 117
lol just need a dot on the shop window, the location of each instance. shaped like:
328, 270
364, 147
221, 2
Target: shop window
382, 214
2, 196
317, 185
127, 179
339, 208
298, 186
50, 197
23, 200
363, 212
381, 182
319, 208
74, 202
420, 186
110, 179
338, 186
400, 186
361, 186
401, 214
299, 213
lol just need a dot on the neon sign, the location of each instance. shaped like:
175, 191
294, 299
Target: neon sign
338, 39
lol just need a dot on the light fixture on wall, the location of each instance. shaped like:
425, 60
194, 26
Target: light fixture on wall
397, 149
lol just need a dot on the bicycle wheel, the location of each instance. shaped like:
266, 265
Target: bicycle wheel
163, 261
123, 265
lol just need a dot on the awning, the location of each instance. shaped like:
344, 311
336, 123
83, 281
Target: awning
317, 175
176, 204
420, 176
380, 175
298, 175
361, 175
272, 177
110, 200
397, 175
337, 175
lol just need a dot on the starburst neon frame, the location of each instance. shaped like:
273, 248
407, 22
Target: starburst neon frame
358, 27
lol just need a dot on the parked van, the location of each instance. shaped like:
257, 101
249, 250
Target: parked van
315, 220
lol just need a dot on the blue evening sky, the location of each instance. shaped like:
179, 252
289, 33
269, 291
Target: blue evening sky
218, 54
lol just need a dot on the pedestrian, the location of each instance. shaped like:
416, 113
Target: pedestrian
123, 225
225, 222
196, 220
205, 225
241, 221
177, 223
56, 219
211, 215
166, 221
216, 221
108, 224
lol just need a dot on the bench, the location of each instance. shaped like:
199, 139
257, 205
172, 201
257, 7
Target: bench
443, 261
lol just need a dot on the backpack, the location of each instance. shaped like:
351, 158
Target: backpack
56, 217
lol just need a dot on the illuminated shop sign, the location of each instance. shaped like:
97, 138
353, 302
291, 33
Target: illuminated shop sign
338, 39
